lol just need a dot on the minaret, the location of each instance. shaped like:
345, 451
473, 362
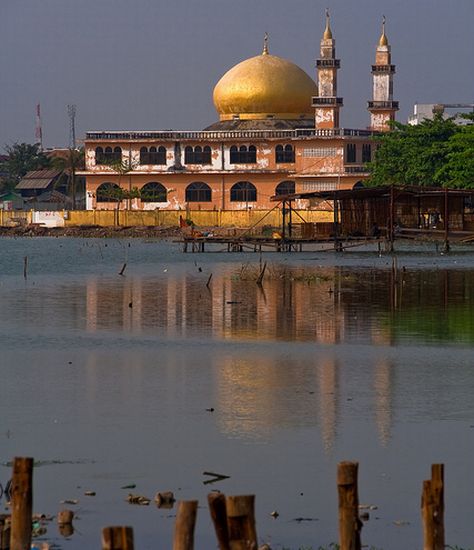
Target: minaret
382, 108
326, 103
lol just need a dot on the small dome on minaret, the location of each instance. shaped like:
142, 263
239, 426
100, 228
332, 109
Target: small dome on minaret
327, 31
383, 41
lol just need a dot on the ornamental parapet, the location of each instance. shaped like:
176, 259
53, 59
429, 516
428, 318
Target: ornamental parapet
221, 135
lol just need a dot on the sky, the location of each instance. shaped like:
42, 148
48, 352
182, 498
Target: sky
153, 64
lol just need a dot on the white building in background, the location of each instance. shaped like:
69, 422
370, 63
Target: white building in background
422, 111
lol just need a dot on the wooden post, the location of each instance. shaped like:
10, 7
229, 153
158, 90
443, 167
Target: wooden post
349, 522
432, 509
117, 538
218, 512
391, 232
22, 503
4, 532
184, 527
241, 522
446, 220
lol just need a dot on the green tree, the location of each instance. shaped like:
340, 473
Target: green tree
413, 155
75, 160
459, 168
22, 158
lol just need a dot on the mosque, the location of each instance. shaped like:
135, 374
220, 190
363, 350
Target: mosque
278, 133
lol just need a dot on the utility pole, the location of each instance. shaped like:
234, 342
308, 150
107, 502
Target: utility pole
71, 111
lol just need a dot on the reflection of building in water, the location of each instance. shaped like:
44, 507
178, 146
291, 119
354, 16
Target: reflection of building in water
328, 401
383, 387
319, 306
258, 394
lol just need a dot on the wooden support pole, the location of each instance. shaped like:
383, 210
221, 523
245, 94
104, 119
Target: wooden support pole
241, 522
184, 527
22, 503
432, 509
446, 220
349, 522
218, 512
4, 532
117, 538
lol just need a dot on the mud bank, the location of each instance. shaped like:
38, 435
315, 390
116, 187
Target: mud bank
88, 231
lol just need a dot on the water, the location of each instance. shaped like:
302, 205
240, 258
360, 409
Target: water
106, 380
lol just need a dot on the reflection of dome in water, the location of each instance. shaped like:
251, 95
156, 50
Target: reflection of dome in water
262, 87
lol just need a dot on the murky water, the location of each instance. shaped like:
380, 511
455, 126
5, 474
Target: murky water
107, 379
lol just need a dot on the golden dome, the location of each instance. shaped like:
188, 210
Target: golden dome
264, 86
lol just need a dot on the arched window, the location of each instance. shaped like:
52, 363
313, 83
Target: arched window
198, 155
285, 188
117, 154
99, 155
243, 191
198, 192
153, 192
234, 155
243, 154
188, 155
108, 155
108, 192
206, 155
284, 153
153, 155
144, 155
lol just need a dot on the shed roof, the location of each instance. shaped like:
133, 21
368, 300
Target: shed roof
38, 179
374, 192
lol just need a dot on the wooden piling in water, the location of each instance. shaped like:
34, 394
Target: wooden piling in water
184, 527
25, 267
21, 503
432, 509
117, 538
218, 512
4, 532
241, 522
349, 522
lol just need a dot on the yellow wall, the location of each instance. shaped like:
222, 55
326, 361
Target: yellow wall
201, 218
169, 218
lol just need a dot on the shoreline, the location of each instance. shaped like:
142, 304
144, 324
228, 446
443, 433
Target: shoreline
91, 231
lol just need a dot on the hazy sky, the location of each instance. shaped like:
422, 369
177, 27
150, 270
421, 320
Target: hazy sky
152, 64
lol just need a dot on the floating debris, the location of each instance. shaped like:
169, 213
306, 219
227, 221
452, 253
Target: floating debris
165, 499
138, 499
131, 486
217, 477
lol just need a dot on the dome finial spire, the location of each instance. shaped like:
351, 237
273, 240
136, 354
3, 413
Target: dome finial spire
265, 44
327, 31
383, 37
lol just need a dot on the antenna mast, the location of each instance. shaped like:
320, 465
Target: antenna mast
38, 129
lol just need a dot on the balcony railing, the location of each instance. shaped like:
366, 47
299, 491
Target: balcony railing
318, 101
356, 169
328, 63
382, 105
383, 69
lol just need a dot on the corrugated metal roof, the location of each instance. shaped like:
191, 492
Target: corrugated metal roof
38, 179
